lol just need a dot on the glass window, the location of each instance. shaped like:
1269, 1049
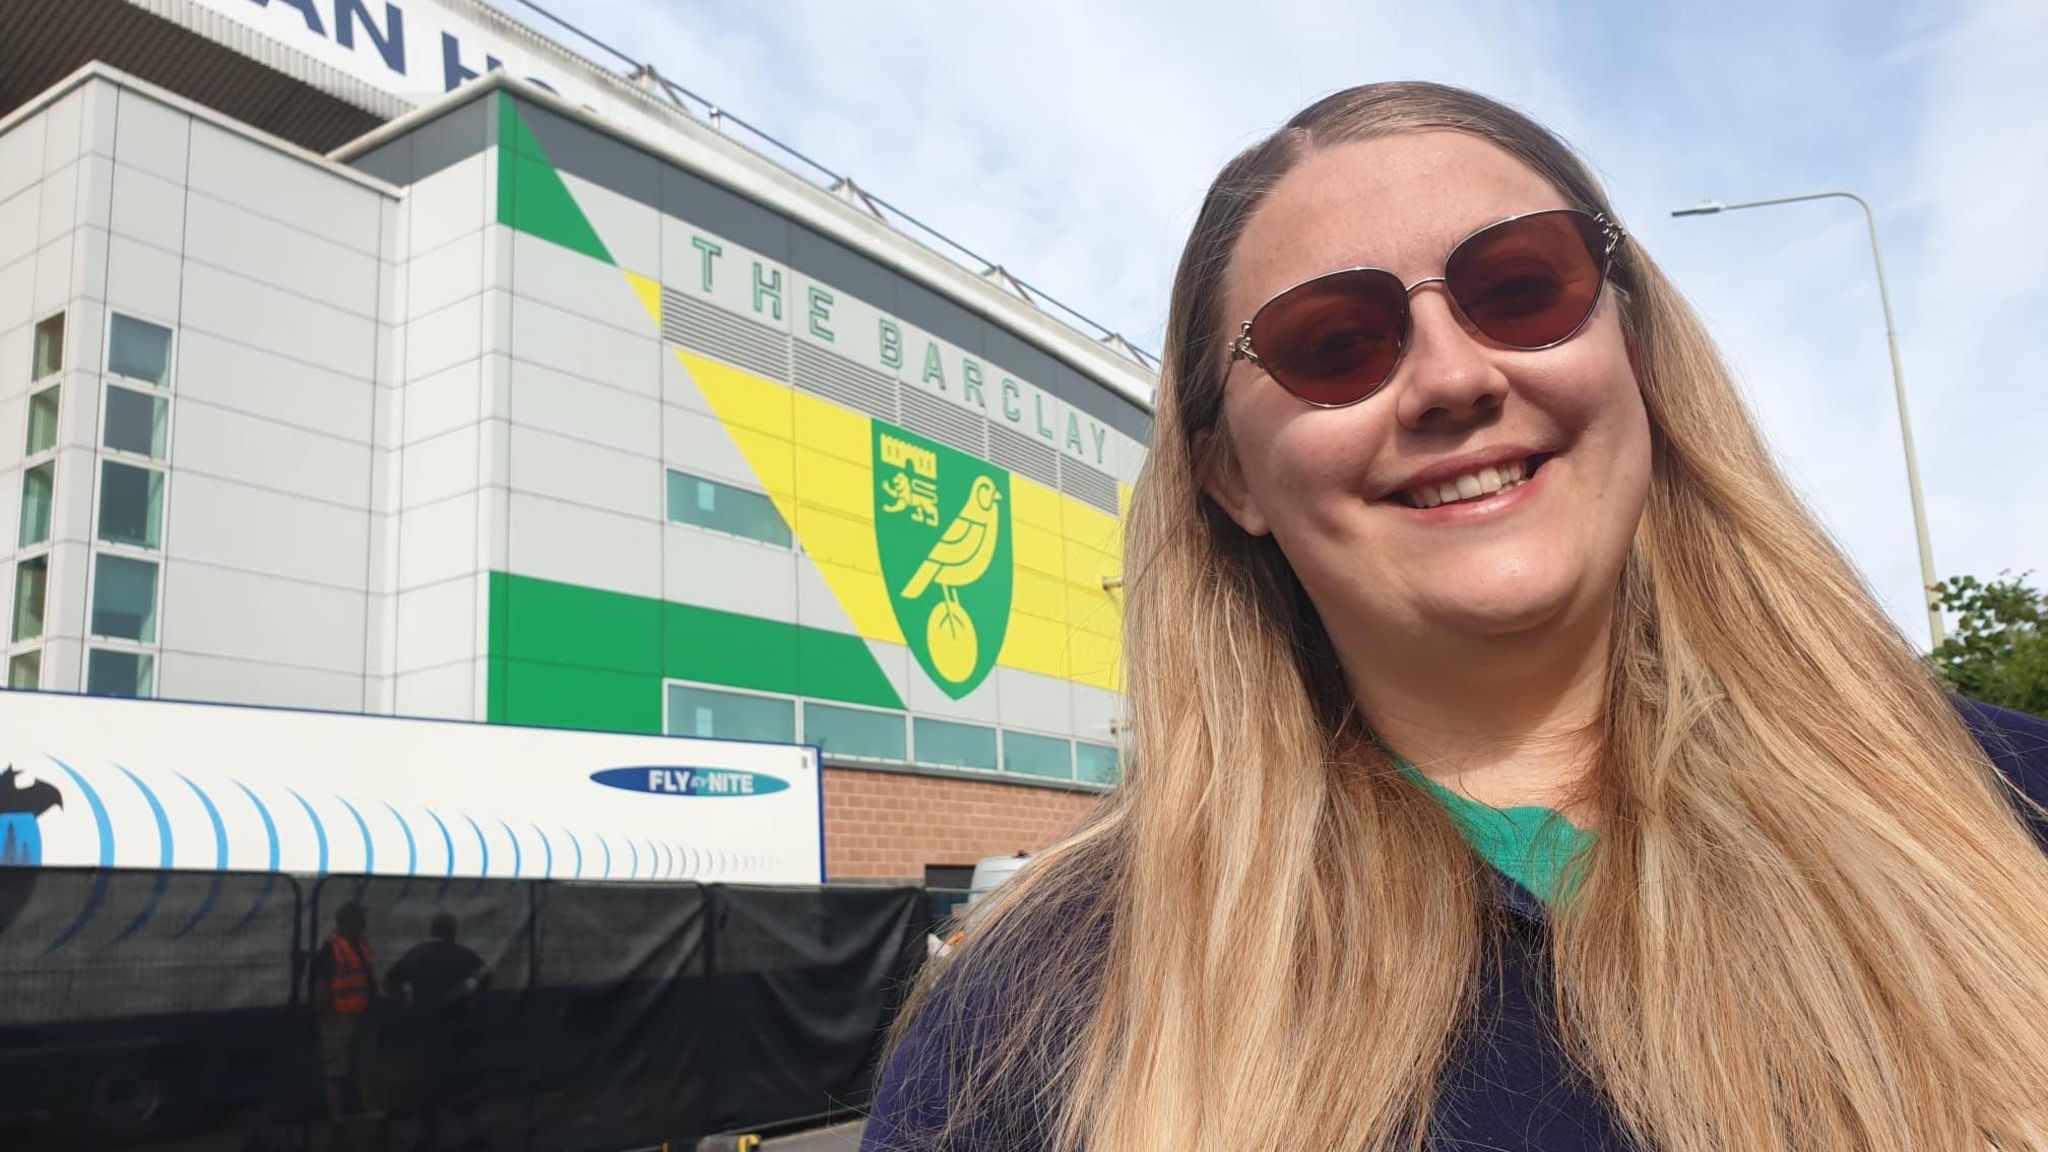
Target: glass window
49, 348
124, 599
38, 485
42, 421
31, 586
131, 505
709, 504
140, 350
1097, 763
1037, 755
730, 715
954, 745
135, 422
26, 669
111, 673
855, 732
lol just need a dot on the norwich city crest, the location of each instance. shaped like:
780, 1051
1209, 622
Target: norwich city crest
942, 525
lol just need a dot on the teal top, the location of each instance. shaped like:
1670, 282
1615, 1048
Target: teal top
1531, 844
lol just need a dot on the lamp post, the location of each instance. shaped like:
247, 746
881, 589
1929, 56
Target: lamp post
1707, 208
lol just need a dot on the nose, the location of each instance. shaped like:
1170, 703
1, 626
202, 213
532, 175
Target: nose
1445, 378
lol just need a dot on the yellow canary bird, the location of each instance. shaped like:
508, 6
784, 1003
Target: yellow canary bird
964, 552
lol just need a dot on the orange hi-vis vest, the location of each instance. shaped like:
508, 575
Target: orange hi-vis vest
350, 983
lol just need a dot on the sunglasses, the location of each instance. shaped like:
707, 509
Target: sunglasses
1527, 282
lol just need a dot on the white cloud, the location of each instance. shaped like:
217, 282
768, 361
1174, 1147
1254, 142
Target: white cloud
1072, 143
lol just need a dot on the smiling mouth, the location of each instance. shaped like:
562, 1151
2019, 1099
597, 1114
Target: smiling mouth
1476, 485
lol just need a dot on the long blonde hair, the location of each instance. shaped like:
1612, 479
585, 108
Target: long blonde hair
1812, 921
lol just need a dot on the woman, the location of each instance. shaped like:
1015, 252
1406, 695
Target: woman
1515, 763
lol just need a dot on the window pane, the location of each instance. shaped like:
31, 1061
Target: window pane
135, 422
124, 599
1097, 764
855, 732
110, 673
26, 670
42, 421
131, 505
709, 504
140, 349
49, 350
1037, 755
729, 715
954, 745
31, 586
37, 487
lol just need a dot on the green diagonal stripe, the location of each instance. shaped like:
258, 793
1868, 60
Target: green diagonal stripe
531, 195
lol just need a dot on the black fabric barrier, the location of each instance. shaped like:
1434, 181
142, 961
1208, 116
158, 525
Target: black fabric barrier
191, 1010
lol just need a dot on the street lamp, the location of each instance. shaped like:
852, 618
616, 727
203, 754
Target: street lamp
1707, 208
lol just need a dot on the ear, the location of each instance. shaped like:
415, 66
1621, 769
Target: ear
1223, 481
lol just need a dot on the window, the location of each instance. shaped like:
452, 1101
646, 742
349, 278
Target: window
1097, 763
31, 586
730, 715
954, 745
38, 485
49, 348
111, 673
139, 350
42, 421
25, 670
709, 504
135, 422
1037, 755
124, 599
131, 505
855, 732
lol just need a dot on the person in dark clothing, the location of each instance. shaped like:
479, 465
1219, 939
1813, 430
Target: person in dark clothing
436, 984
1513, 763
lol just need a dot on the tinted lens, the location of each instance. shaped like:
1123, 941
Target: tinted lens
1334, 340
1530, 282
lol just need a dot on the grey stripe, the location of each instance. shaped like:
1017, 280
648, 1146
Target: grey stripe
1025, 456
758, 348
844, 382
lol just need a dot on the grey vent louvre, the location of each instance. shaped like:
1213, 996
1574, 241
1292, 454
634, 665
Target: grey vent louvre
942, 421
1025, 456
844, 382
758, 348
1088, 485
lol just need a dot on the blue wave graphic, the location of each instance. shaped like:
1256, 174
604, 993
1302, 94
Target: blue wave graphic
607, 846
517, 856
578, 844
319, 831
369, 849
448, 843
165, 856
270, 858
220, 857
547, 867
634, 872
412, 848
98, 894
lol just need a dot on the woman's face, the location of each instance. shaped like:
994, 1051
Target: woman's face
1332, 485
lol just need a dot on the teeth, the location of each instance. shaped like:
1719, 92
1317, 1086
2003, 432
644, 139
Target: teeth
1470, 486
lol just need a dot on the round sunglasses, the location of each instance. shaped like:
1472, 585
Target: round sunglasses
1527, 282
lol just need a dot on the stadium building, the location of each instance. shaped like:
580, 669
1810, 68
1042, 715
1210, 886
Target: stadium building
389, 357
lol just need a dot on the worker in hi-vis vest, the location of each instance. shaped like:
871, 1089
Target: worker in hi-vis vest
344, 990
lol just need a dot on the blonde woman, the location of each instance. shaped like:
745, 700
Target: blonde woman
1515, 763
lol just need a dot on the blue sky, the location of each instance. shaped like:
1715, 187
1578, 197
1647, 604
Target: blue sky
1072, 143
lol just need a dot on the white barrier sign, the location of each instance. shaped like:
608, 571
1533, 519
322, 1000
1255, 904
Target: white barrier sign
146, 784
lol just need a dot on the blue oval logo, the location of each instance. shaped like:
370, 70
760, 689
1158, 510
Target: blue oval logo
677, 780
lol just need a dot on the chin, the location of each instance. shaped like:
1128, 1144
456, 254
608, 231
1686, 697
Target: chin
1501, 611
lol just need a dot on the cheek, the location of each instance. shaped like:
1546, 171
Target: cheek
1305, 465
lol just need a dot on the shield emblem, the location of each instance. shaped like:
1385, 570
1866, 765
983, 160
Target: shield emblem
942, 527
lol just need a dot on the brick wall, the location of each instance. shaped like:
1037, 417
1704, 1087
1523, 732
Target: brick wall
889, 825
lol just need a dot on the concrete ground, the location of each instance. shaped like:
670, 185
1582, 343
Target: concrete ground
838, 1138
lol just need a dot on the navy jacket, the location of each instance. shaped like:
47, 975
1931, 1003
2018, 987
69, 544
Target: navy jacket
1513, 1090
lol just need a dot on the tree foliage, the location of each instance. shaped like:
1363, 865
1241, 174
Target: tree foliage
1998, 651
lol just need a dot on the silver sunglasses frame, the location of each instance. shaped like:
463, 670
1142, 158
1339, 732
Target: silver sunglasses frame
1241, 348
